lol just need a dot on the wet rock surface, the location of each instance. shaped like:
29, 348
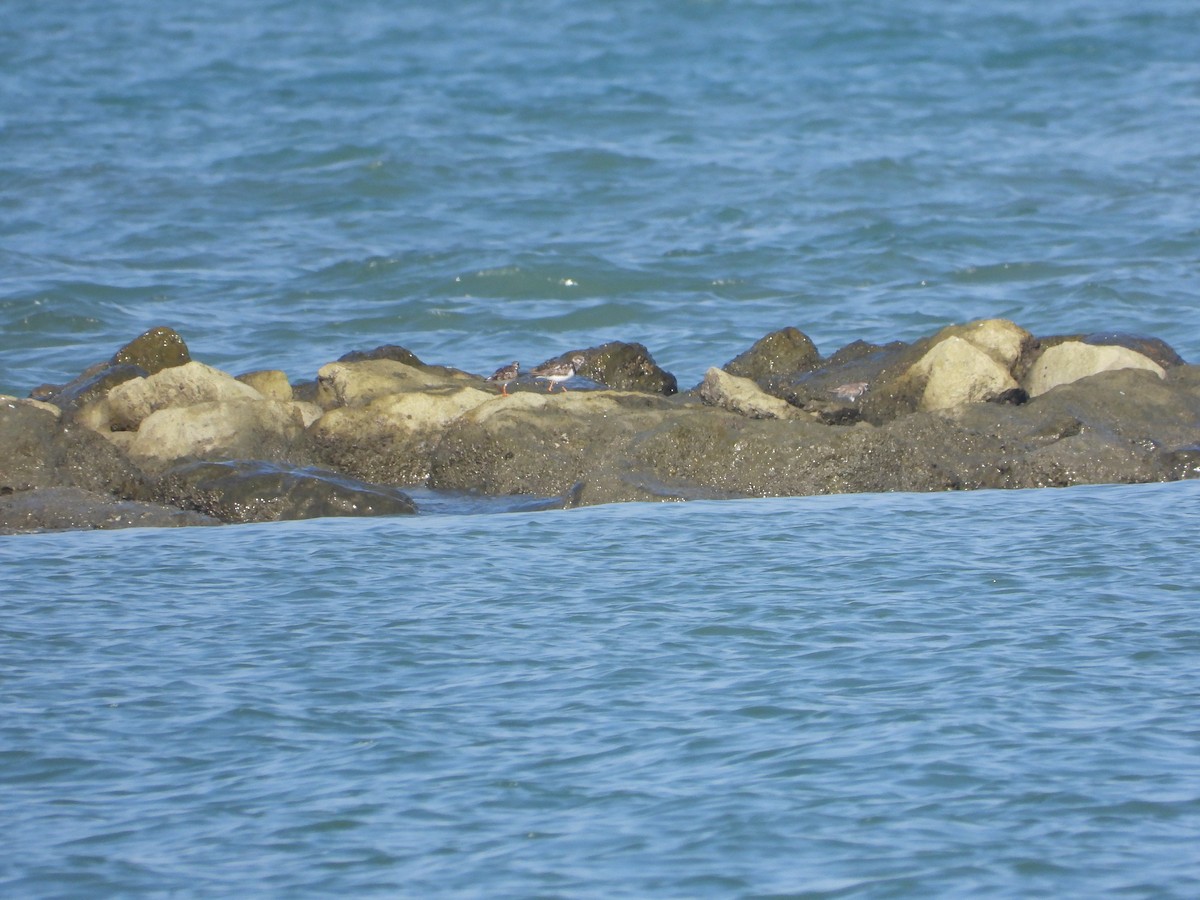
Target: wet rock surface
256, 491
980, 405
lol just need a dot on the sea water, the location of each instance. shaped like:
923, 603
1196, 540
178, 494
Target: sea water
983, 694
833, 696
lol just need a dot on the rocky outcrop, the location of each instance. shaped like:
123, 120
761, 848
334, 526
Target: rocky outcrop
980, 405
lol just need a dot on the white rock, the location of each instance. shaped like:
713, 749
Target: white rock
130, 402
1072, 360
957, 371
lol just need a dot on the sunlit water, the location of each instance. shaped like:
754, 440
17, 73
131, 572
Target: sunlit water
981, 694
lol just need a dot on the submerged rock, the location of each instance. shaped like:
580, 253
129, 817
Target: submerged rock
76, 509
256, 491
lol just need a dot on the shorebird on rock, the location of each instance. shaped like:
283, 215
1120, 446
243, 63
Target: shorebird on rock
850, 392
504, 375
557, 371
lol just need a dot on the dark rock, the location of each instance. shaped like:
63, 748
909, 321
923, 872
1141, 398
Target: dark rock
38, 450
781, 354
1182, 462
93, 384
861, 377
306, 391
393, 352
74, 509
398, 354
256, 491
1014, 396
624, 367
157, 349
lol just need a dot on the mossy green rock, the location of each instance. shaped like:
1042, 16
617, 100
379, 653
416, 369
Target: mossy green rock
159, 348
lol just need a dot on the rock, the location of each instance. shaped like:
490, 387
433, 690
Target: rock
93, 385
39, 450
388, 439
402, 355
222, 429
907, 417
72, 508
34, 404
157, 349
548, 445
180, 386
833, 390
388, 351
1072, 360
258, 491
624, 367
271, 383
781, 354
743, 396
1132, 404
956, 371
358, 383
1004, 341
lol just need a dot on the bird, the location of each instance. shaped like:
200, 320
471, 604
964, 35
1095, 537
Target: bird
850, 392
557, 371
505, 374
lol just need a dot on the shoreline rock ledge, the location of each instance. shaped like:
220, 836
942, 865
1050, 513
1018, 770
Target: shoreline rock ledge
152, 437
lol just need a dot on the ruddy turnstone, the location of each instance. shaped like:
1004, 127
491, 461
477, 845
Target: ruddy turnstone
557, 371
850, 392
504, 375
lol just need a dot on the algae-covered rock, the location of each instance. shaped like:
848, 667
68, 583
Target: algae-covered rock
624, 367
780, 354
392, 352
93, 385
155, 350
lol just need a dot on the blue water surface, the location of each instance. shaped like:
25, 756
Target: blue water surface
988, 694
870, 696
480, 181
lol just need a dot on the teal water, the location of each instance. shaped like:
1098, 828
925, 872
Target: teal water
873, 696
879, 696
285, 181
